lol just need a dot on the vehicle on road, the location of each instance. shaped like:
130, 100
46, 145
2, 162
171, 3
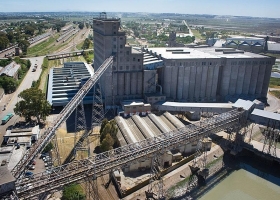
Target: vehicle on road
7, 118
34, 69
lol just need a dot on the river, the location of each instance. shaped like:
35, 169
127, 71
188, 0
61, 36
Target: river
246, 183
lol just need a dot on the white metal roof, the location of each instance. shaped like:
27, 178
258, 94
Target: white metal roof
195, 53
245, 104
198, 105
266, 114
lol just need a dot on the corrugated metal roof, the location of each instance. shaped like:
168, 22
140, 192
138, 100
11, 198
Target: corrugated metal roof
266, 114
11, 69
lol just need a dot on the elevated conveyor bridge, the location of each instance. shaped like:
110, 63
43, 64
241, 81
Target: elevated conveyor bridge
103, 163
63, 115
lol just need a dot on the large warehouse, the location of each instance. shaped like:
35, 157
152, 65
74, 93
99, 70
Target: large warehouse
176, 74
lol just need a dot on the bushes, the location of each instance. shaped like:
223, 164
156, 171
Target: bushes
88, 55
108, 136
73, 192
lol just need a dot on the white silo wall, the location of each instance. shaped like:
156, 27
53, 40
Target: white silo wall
127, 83
247, 79
192, 83
260, 82
133, 87
120, 84
174, 77
187, 72
167, 81
139, 83
180, 83
240, 79
225, 80
233, 79
266, 80
215, 81
204, 80
209, 82
198, 82
254, 77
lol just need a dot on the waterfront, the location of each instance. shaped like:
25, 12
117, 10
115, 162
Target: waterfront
245, 183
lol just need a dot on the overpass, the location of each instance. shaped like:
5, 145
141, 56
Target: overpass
66, 54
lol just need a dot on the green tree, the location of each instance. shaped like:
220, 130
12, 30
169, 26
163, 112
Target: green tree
86, 43
23, 44
103, 124
81, 25
48, 148
33, 104
4, 41
29, 30
9, 84
107, 143
109, 128
73, 192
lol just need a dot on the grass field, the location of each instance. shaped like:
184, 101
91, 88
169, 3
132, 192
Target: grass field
275, 93
274, 82
197, 35
41, 48
48, 46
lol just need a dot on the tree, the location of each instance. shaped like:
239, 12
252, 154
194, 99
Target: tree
23, 44
81, 25
9, 84
107, 143
33, 104
86, 43
73, 192
48, 148
4, 41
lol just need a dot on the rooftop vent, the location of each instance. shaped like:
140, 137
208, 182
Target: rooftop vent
173, 50
182, 52
233, 52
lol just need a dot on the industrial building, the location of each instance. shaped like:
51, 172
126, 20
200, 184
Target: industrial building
176, 74
65, 82
136, 128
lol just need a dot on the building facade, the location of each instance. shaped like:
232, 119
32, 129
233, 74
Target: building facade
125, 79
213, 75
176, 74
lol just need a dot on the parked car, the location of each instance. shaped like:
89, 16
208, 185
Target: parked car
29, 174
31, 167
32, 162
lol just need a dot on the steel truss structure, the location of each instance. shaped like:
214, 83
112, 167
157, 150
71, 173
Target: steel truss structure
271, 135
80, 126
99, 164
64, 114
97, 107
155, 187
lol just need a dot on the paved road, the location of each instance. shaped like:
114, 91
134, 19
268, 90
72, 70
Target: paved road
10, 100
274, 103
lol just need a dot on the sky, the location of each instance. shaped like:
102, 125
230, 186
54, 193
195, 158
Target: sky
254, 8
